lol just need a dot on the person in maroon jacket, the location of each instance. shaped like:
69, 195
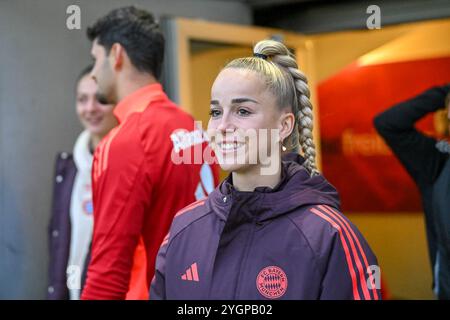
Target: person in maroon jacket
70, 228
272, 229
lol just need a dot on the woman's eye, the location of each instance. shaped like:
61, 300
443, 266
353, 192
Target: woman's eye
214, 113
243, 112
82, 99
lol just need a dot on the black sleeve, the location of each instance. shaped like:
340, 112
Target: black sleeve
416, 151
51, 223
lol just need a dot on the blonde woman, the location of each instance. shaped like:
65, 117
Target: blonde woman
272, 229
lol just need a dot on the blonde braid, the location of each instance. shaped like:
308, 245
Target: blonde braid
279, 54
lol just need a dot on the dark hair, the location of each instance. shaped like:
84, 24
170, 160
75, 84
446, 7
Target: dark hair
447, 100
137, 31
86, 71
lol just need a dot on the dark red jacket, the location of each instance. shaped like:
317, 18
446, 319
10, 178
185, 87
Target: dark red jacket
59, 227
289, 242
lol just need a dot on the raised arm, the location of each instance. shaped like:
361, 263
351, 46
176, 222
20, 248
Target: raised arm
416, 151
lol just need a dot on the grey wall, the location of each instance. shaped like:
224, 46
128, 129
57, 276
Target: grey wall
39, 60
317, 16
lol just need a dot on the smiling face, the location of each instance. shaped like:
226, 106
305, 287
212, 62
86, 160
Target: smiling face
97, 118
243, 112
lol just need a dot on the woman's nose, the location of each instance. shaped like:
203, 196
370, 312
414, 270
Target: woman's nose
225, 124
91, 105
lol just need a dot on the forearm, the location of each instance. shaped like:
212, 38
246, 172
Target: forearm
416, 151
117, 228
403, 116
110, 268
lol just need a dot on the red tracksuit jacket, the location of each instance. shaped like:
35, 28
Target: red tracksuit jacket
137, 189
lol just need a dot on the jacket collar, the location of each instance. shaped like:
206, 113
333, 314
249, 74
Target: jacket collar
295, 189
139, 100
81, 153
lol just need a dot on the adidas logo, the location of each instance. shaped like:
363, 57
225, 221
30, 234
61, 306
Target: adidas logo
191, 273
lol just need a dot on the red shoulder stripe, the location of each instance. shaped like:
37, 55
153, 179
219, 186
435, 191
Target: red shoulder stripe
190, 207
346, 250
338, 215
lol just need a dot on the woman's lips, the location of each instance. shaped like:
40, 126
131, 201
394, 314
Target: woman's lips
225, 147
94, 121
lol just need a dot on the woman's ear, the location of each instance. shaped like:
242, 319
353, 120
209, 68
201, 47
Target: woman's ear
287, 124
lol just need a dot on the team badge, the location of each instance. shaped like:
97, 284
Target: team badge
272, 282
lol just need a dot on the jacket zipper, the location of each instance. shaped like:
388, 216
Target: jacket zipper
244, 261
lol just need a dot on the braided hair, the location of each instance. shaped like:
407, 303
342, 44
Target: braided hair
277, 64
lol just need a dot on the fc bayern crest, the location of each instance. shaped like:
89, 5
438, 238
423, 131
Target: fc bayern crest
88, 207
272, 282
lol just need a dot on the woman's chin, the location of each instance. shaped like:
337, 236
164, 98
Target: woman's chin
100, 129
232, 161
96, 131
230, 166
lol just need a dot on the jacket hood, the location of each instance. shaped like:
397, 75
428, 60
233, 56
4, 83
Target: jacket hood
295, 190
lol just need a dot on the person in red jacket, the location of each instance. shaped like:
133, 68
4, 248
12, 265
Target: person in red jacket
137, 187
